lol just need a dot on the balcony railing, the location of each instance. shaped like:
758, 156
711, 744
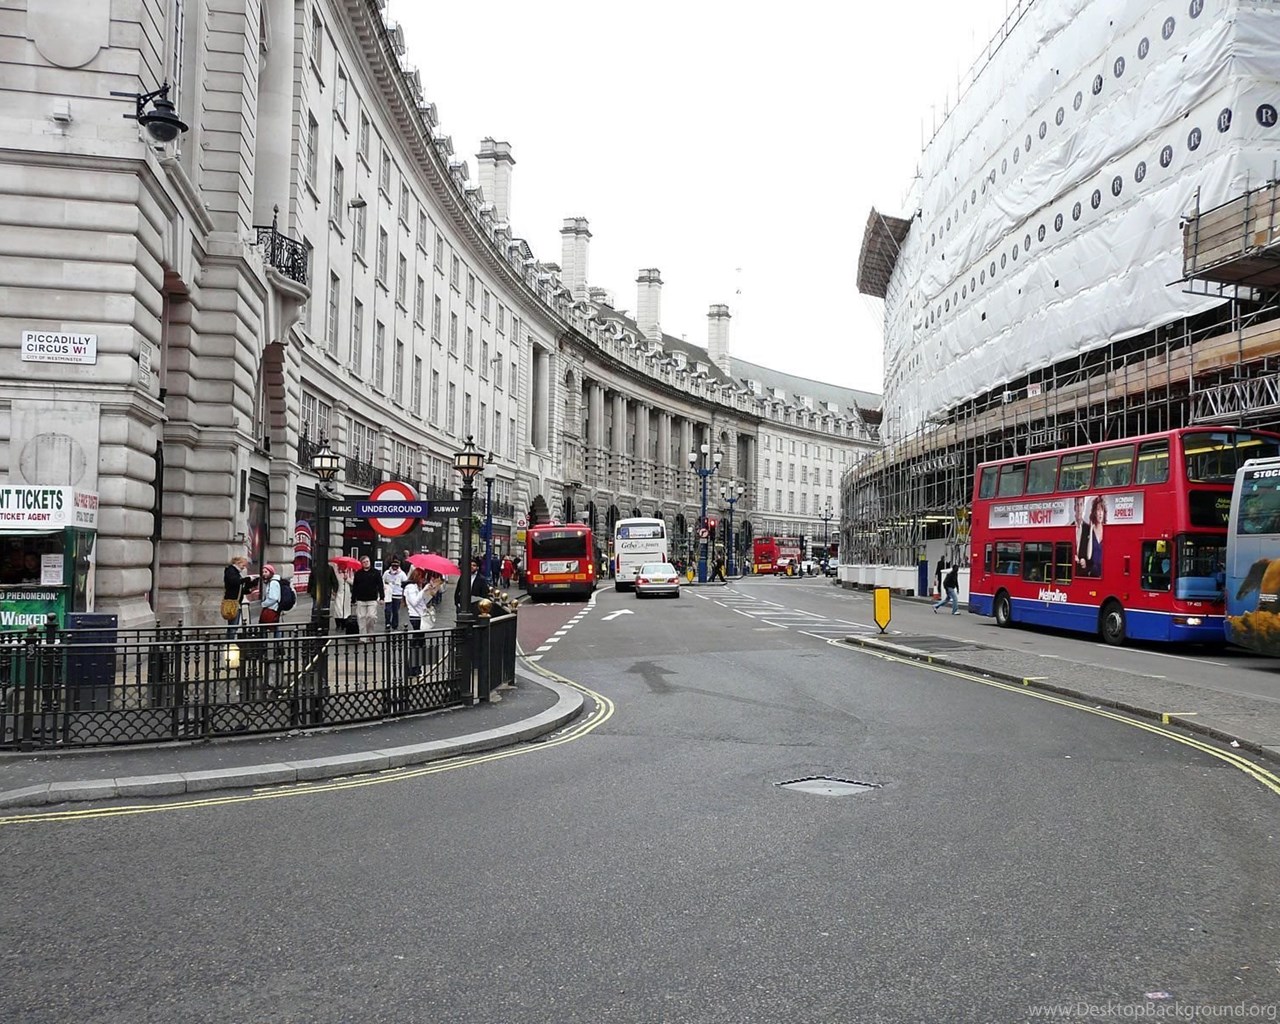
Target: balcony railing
282, 252
363, 474
306, 449
435, 491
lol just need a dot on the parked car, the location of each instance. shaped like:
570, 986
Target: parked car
833, 567
657, 578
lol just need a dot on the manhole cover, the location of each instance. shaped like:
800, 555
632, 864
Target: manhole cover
822, 785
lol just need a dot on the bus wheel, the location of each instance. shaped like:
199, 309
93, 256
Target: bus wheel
1111, 623
1003, 611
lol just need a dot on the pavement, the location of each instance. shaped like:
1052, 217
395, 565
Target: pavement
535, 706
1245, 721
538, 705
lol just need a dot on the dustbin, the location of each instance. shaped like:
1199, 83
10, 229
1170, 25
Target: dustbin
91, 670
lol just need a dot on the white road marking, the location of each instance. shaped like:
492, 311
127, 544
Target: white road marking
1162, 654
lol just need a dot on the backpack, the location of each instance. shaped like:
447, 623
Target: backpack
287, 597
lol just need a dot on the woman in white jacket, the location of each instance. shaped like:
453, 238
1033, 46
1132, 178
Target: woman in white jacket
415, 600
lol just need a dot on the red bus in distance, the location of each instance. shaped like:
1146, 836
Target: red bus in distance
765, 552
1126, 539
560, 561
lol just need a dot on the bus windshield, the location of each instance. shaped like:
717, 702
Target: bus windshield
1213, 457
558, 544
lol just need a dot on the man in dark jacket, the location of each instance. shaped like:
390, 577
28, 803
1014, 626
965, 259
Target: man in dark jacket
476, 588
367, 594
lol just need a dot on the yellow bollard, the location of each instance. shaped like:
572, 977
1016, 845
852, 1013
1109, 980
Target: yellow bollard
883, 609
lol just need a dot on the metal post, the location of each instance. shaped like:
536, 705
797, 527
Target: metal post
702, 529
320, 560
732, 500
462, 598
488, 528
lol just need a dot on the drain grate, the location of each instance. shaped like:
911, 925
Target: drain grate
823, 785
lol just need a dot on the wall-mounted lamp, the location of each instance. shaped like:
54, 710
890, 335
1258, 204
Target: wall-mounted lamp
161, 121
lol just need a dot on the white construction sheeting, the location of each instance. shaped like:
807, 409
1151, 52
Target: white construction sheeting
1050, 201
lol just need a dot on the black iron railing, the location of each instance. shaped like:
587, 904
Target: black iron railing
495, 654
434, 490
363, 474
282, 252
147, 686
306, 449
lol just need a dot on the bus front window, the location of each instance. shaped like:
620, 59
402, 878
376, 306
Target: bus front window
1212, 457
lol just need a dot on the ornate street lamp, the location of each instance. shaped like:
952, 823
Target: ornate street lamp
324, 463
826, 515
468, 463
710, 462
732, 494
490, 474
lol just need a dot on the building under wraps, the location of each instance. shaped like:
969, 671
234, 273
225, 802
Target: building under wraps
1090, 251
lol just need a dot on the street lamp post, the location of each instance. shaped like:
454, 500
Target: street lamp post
826, 515
490, 474
468, 463
732, 494
325, 464
704, 467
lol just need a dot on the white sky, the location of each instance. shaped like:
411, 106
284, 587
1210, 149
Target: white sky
736, 146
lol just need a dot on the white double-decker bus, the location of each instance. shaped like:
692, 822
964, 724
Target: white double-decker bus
635, 542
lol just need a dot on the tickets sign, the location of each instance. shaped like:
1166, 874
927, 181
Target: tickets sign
47, 508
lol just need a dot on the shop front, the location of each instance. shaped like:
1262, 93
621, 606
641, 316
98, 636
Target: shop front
47, 541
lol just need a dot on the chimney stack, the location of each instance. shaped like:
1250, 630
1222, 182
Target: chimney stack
574, 237
495, 162
649, 304
718, 337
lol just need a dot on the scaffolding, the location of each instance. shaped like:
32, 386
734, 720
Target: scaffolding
1218, 367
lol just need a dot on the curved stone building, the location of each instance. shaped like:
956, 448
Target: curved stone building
303, 259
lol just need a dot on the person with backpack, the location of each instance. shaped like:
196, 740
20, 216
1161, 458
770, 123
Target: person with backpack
951, 584
270, 612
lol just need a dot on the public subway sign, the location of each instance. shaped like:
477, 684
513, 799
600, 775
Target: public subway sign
46, 508
57, 347
1085, 508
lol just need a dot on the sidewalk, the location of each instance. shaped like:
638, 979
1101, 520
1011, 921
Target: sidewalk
1252, 723
534, 707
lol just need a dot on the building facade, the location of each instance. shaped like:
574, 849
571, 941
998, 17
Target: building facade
307, 259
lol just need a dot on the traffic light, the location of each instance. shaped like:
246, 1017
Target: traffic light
711, 527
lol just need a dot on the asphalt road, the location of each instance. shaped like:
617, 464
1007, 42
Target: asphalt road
1012, 855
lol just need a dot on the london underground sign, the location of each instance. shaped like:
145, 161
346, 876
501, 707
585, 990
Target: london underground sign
392, 508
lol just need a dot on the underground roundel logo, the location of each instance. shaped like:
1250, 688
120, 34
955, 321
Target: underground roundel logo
392, 491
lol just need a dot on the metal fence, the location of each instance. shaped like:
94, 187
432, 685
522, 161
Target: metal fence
69, 688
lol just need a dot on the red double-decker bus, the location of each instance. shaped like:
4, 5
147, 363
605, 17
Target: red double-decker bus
766, 551
560, 560
1126, 539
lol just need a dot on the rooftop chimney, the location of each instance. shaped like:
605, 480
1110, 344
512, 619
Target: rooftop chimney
574, 237
495, 162
649, 304
718, 338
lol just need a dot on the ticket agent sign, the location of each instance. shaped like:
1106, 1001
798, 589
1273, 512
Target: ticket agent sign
46, 508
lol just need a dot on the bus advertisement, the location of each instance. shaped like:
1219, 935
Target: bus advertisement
635, 542
1253, 558
1125, 539
767, 551
559, 560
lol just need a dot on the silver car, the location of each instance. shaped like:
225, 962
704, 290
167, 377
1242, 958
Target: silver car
657, 578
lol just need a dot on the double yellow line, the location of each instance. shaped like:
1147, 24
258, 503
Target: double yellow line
1255, 771
602, 710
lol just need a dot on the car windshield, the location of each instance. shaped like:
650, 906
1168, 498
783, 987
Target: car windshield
658, 569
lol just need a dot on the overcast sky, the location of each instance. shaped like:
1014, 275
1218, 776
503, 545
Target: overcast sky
736, 146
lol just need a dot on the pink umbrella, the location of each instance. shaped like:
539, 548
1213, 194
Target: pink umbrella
345, 563
434, 563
